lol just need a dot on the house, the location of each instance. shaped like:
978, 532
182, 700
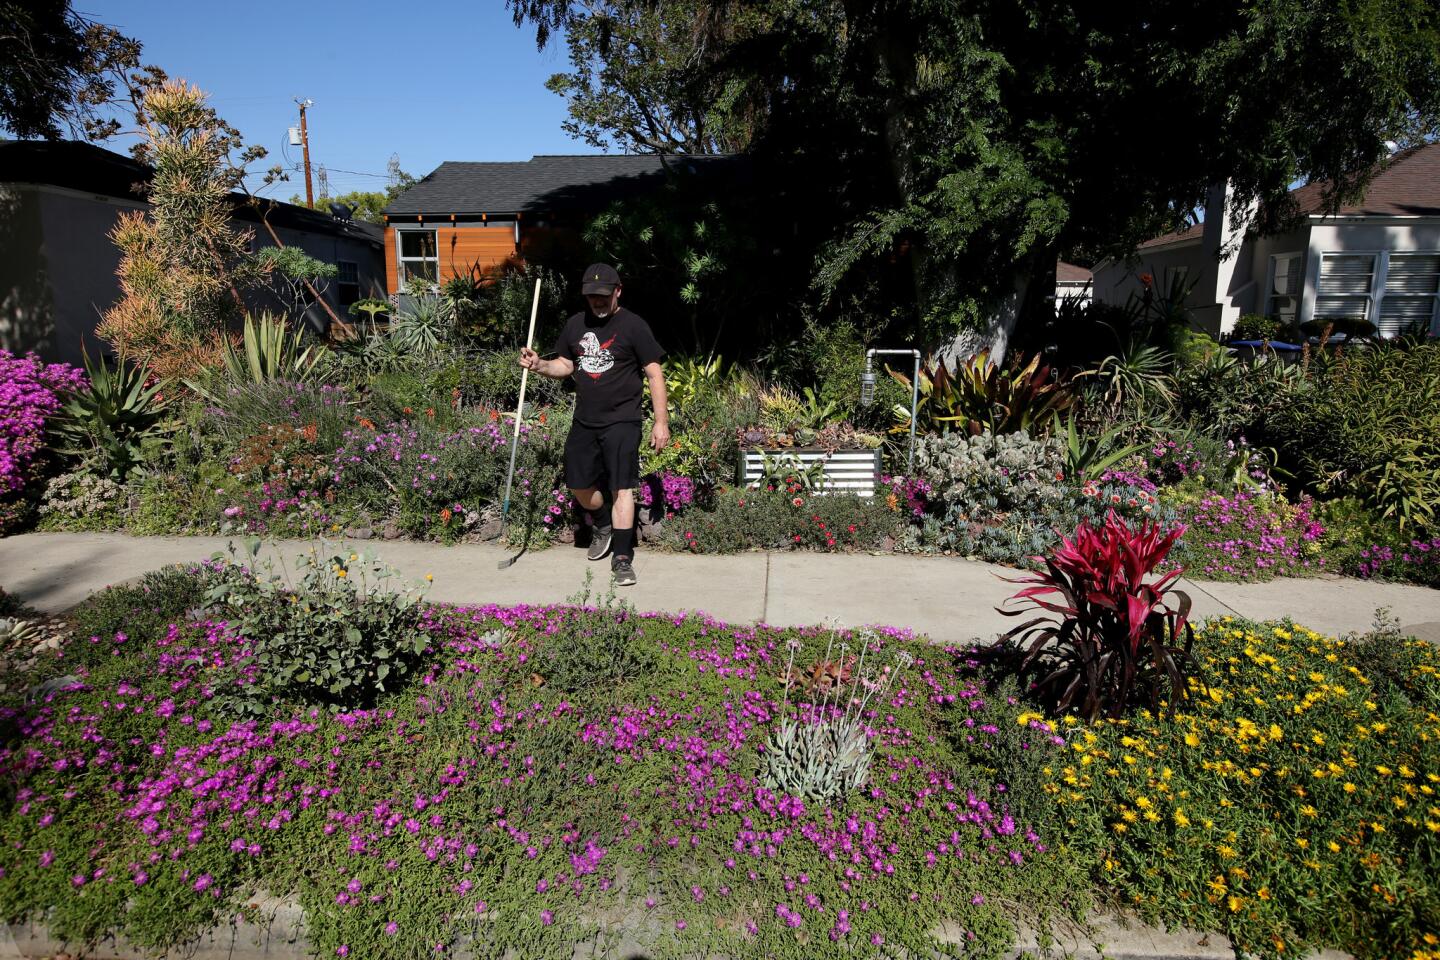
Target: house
467, 215
59, 201
1376, 260
1072, 284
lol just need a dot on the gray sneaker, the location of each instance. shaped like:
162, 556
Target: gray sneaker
622, 573
599, 542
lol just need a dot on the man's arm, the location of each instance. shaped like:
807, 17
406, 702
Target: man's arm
660, 435
557, 369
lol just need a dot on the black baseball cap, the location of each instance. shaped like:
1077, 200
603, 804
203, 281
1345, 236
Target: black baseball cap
600, 278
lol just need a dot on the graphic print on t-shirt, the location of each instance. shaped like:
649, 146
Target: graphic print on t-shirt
596, 357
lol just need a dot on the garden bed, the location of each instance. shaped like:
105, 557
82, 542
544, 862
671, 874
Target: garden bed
540, 768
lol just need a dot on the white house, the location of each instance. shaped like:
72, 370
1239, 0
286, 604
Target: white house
1072, 284
1377, 259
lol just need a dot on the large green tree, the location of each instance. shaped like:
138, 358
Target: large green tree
60, 73
977, 139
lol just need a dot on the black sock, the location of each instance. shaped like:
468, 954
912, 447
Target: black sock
622, 545
601, 514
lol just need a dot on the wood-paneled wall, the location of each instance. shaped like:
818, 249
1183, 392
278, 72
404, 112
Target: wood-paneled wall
462, 247
392, 265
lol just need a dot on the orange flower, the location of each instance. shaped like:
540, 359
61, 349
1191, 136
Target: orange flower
367, 423
430, 412
445, 514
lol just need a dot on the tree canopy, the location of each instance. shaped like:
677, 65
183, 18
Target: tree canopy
977, 139
59, 71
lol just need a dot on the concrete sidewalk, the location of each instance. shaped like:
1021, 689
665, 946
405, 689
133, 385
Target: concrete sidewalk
946, 598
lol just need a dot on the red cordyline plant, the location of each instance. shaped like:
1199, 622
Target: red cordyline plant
1115, 640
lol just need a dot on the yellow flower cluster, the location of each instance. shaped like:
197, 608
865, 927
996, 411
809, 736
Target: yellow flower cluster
1281, 762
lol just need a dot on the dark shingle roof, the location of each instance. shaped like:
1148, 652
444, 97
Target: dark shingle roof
543, 183
95, 170
1192, 232
1070, 273
74, 165
1407, 185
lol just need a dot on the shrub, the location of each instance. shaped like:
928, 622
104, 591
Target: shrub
1285, 805
31, 396
1225, 398
1368, 424
783, 518
595, 646
667, 493
1249, 536
336, 635
1114, 641
1005, 498
282, 483
243, 410
1413, 560
1256, 326
106, 623
80, 500
438, 480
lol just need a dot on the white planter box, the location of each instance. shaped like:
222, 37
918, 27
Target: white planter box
854, 471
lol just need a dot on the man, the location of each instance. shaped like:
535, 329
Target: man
607, 349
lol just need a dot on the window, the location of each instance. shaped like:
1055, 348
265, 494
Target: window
1343, 291
1284, 295
419, 256
347, 282
1396, 292
1411, 283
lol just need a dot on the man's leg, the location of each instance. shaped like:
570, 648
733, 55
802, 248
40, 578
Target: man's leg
622, 465
624, 538
594, 502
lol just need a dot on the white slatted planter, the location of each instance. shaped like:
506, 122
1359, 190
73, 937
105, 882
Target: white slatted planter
855, 471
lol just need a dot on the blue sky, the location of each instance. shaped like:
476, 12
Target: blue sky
433, 81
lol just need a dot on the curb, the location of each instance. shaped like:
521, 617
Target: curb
280, 936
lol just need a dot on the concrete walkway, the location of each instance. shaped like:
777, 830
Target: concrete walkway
946, 598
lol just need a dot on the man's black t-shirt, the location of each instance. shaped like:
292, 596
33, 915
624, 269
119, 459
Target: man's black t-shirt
608, 355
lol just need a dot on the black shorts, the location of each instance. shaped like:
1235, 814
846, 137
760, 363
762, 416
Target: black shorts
604, 458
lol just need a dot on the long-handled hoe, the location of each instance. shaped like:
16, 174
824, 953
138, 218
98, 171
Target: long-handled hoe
515, 440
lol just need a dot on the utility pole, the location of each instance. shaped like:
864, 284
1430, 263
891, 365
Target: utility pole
305, 144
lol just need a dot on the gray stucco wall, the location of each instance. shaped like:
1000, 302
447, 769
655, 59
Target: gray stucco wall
58, 263
1116, 281
57, 271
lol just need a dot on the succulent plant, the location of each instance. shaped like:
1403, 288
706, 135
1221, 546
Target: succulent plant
823, 753
14, 632
821, 761
755, 437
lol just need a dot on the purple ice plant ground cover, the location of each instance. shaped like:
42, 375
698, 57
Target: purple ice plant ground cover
481, 802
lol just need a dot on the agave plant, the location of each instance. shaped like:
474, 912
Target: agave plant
1137, 378
113, 424
269, 350
1087, 457
1112, 640
422, 329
